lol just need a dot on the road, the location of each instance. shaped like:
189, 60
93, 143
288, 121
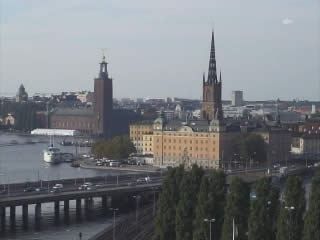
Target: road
72, 185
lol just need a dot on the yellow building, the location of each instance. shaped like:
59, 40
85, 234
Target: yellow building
137, 131
195, 142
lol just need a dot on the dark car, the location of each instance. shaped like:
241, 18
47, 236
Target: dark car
29, 189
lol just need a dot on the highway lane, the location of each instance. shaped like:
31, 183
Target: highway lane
73, 184
76, 193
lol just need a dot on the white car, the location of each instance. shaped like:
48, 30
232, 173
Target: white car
57, 186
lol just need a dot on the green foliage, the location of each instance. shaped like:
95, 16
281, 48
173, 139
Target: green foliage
210, 204
185, 214
237, 208
312, 218
116, 148
263, 213
290, 222
250, 146
165, 228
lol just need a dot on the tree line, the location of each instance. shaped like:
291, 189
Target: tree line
115, 148
189, 200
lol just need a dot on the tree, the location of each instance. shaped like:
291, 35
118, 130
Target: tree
210, 205
237, 209
263, 213
312, 219
290, 221
185, 214
116, 148
165, 228
250, 147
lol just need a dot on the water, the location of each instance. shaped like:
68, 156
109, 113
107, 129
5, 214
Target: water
24, 162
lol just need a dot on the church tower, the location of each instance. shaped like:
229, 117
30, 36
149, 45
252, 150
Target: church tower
211, 105
103, 100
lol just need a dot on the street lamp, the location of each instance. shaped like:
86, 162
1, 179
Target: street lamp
290, 209
137, 205
210, 221
114, 221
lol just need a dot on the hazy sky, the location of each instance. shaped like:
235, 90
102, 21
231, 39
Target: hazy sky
268, 49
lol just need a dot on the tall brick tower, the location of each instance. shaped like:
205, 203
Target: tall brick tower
103, 100
211, 105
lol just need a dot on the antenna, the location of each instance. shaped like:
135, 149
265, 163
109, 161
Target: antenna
103, 50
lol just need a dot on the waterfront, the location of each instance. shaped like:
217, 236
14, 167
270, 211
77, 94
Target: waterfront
23, 162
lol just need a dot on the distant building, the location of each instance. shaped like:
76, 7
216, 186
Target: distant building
8, 120
207, 141
22, 95
211, 105
86, 97
278, 142
94, 120
137, 130
237, 98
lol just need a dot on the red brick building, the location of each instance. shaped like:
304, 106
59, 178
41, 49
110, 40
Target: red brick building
94, 120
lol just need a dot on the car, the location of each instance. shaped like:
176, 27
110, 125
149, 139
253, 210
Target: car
57, 186
89, 188
141, 180
40, 189
277, 165
29, 189
85, 186
55, 190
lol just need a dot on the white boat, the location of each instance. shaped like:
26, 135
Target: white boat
52, 155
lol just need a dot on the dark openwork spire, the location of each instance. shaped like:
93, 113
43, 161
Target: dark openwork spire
220, 75
212, 73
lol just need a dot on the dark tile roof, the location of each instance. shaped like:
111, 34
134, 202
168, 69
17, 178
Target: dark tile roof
73, 112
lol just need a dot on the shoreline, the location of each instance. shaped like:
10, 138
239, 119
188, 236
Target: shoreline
87, 166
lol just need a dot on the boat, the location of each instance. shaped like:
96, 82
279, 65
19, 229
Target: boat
52, 155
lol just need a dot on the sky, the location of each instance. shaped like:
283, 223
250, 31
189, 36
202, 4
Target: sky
268, 49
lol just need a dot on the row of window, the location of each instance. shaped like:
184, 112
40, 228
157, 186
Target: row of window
184, 134
186, 141
73, 124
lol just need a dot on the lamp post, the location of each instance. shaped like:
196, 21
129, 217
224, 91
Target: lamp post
210, 221
114, 222
290, 209
137, 205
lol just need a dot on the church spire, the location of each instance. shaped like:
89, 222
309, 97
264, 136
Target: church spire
212, 73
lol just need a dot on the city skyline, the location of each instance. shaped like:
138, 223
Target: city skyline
163, 47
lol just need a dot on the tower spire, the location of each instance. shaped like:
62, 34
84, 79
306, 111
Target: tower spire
103, 67
220, 75
212, 73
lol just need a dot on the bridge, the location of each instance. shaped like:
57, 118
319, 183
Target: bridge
111, 191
